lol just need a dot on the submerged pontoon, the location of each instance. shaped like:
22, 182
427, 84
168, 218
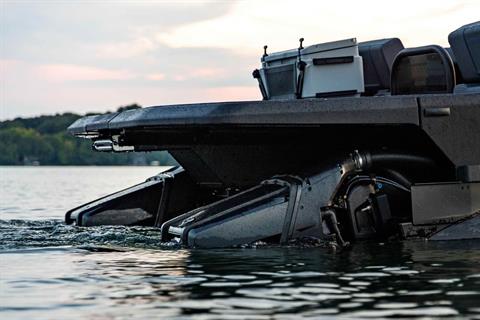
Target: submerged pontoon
352, 141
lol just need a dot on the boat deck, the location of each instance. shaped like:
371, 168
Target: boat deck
354, 110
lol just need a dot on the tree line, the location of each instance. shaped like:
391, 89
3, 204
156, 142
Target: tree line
43, 140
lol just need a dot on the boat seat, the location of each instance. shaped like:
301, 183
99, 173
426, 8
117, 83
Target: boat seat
378, 56
465, 44
422, 70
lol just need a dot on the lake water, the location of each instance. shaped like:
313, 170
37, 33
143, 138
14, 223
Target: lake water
52, 271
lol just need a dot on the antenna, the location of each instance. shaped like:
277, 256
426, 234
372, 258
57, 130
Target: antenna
265, 51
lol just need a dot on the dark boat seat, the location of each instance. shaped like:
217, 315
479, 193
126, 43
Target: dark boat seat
465, 44
378, 56
422, 70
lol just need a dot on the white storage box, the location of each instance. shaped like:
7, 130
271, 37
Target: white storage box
321, 70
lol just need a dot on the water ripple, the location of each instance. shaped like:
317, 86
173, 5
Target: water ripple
120, 273
15, 234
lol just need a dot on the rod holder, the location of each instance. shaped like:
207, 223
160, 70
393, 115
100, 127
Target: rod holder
301, 43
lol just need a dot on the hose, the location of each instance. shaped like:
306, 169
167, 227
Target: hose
367, 160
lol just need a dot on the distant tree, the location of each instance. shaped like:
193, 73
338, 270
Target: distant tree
43, 124
44, 139
129, 107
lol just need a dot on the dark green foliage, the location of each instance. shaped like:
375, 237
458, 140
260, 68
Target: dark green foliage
44, 140
128, 107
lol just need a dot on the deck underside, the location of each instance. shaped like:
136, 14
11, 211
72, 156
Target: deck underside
241, 143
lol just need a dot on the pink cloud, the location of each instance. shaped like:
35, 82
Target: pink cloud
155, 76
232, 93
125, 50
48, 84
72, 72
206, 72
8, 66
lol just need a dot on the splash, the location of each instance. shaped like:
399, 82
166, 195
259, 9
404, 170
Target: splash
15, 234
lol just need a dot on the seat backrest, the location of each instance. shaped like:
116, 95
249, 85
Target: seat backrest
422, 70
378, 56
465, 44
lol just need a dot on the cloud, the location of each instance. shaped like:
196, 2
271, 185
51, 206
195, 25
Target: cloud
155, 76
230, 93
125, 50
46, 30
251, 24
70, 72
31, 89
82, 99
95, 55
200, 73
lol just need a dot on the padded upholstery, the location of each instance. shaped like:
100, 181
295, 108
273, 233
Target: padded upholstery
378, 56
467, 88
465, 44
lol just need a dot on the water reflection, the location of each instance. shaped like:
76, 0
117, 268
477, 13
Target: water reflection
413, 279
98, 273
52, 271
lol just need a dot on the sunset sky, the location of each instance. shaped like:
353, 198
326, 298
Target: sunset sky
85, 56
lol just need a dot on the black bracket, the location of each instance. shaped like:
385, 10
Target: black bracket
301, 75
256, 75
